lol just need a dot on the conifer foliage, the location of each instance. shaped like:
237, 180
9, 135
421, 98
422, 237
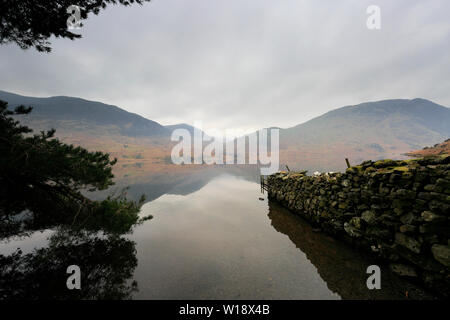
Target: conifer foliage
45, 177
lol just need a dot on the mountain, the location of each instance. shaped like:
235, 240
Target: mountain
185, 126
439, 149
75, 114
372, 130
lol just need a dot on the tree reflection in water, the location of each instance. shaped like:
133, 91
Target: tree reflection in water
107, 264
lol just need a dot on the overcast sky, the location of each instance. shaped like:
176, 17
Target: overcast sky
243, 63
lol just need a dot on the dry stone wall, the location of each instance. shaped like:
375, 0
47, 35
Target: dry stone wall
398, 210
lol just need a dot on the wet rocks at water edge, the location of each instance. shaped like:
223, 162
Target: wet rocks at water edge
397, 210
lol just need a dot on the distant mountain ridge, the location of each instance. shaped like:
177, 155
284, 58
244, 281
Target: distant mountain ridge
61, 108
429, 116
371, 130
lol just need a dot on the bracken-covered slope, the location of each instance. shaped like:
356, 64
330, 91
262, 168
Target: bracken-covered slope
438, 149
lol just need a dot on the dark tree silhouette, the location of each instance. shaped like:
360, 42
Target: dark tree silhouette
30, 23
42, 179
43, 183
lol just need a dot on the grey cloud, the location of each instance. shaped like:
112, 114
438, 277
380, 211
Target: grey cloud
252, 63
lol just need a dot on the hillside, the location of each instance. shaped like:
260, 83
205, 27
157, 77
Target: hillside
75, 114
373, 130
436, 150
142, 146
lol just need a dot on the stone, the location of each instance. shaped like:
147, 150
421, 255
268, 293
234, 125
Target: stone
443, 183
405, 194
403, 270
395, 177
369, 217
362, 207
441, 253
351, 231
343, 205
431, 238
346, 183
356, 222
435, 228
385, 163
400, 203
420, 204
407, 228
337, 225
429, 216
408, 218
366, 164
440, 207
375, 207
423, 261
408, 242
379, 233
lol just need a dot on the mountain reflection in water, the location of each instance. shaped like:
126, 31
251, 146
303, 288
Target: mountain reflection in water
211, 238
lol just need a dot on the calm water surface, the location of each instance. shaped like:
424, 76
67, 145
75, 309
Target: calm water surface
217, 240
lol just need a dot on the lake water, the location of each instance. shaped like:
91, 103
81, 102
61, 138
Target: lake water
214, 238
